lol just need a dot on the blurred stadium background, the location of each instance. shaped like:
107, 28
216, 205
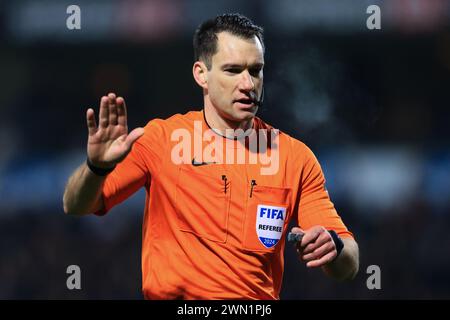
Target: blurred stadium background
372, 104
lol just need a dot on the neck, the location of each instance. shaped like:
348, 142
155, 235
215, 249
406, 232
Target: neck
220, 124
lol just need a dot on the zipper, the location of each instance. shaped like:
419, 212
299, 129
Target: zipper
251, 189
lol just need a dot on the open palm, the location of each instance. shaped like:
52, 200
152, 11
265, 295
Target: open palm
110, 142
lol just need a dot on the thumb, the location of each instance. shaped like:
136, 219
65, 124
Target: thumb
297, 230
133, 136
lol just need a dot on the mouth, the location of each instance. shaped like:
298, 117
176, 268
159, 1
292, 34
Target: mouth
246, 102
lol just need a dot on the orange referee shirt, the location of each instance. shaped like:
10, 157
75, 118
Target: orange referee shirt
215, 229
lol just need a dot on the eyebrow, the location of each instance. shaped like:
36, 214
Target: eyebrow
235, 65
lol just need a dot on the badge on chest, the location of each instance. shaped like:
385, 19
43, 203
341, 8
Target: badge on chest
269, 224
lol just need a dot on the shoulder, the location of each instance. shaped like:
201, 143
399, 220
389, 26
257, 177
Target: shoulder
294, 147
162, 127
176, 119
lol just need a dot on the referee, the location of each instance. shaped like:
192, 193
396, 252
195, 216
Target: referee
221, 184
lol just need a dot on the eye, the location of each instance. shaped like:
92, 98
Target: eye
233, 70
255, 72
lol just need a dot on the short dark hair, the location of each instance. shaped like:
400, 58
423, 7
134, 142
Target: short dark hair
205, 37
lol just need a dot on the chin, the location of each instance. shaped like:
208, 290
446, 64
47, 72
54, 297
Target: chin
245, 114
239, 114
248, 115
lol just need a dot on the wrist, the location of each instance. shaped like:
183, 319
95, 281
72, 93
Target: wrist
339, 244
97, 170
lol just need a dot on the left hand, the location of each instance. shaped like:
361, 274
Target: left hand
317, 247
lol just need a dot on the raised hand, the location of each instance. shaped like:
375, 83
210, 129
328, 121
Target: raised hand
110, 142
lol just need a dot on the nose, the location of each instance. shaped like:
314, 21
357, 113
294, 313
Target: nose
246, 82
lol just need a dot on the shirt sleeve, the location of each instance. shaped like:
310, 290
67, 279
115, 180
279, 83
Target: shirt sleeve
136, 170
315, 206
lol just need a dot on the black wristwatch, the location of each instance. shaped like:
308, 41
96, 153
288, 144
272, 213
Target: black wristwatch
98, 171
337, 242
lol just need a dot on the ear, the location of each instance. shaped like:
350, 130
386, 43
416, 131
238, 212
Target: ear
200, 73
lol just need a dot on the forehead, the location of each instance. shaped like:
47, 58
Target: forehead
236, 50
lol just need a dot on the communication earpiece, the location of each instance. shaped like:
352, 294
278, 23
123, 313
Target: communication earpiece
260, 101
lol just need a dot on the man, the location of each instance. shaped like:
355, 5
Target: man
216, 214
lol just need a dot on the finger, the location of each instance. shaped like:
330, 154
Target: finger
104, 112
310, 236
322, 261
323, 238
90, 119
111, 97
133, 136
121, 112
112, 111
319, 252
297, 230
